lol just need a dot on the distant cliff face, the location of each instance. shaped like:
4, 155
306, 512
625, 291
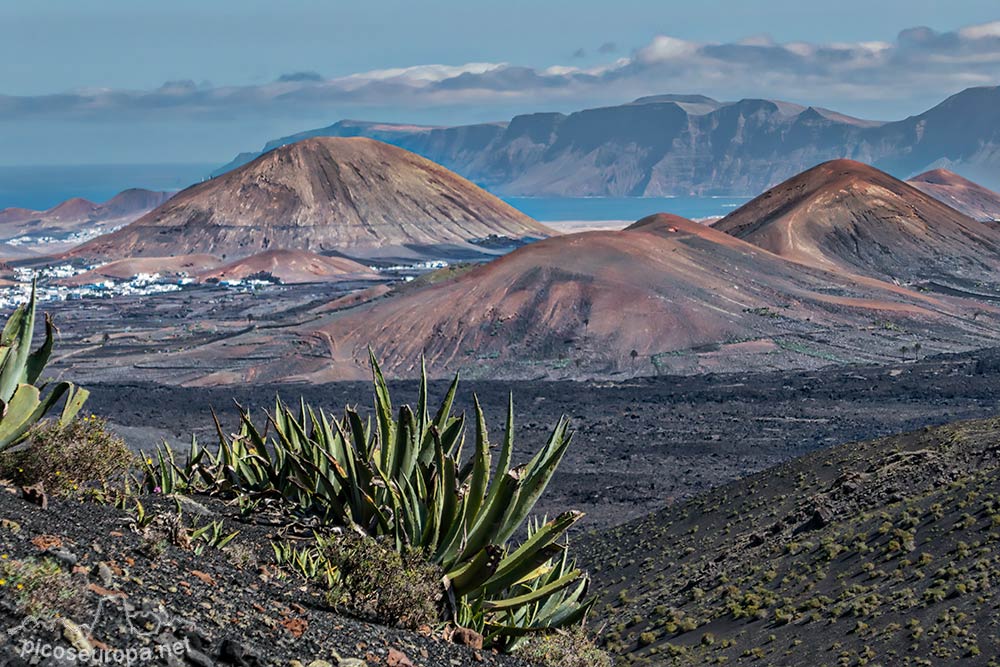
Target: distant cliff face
693, 145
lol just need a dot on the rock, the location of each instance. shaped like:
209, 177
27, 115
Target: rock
397, 659
72, 633
104, 574
467, 637
821, 517
36, 494
67, 558
198, 659
191, 506
236, 653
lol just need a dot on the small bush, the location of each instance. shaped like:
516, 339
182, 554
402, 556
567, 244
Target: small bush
565, 648
40, 588
67, 458
387, 586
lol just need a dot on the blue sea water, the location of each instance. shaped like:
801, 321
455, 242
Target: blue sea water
554, 209
42, 187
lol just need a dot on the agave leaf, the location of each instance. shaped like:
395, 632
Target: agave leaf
487, 525
540, 471
383, 413
479, 481
36, 360
75, 398
17, 335
24, 410
535, 595
477, 569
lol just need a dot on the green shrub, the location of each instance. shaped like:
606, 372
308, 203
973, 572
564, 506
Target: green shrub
67, 457
40, 588
376, 581
564, 648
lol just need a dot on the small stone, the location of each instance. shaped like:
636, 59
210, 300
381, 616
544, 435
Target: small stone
191, 506
67, 558
198, 659
397, 659
467, 637
36, 494
233, 652
322, 663
104, 574
72, 633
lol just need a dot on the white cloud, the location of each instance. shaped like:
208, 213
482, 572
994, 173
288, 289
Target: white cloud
918, 64
664, 48
983, 31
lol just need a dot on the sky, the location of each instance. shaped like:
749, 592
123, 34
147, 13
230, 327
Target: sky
138, 81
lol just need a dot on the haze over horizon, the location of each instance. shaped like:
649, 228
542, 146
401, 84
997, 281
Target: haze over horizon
138, 83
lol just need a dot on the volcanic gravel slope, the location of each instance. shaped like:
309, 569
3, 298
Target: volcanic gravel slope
348, 195
846, 216
885, 552
668, 295
640, 444
227, 608
960, 193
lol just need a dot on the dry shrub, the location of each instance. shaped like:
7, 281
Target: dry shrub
66, 459
384, 585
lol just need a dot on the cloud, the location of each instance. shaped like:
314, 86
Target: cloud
580, 53
919, 63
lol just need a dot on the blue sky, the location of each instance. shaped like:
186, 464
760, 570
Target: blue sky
87, 82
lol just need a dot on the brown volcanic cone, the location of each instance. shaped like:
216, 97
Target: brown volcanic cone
353, 195
684, 297
960, 193
291, 266
847, 216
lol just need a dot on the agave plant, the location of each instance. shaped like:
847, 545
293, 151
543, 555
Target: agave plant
404, 477
22, 403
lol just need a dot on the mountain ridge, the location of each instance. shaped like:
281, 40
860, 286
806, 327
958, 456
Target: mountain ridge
681, 145
847, 216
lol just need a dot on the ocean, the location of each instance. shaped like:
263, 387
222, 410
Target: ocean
42, 187
625, 209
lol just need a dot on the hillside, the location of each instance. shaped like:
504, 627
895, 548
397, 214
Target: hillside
290, 266
227, 607
960, 193
79, 214
683, 145
673, 296
881, 552
355, 196
848, 217
181, 266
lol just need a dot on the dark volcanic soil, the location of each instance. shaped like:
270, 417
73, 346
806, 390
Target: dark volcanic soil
644, 443
214, 608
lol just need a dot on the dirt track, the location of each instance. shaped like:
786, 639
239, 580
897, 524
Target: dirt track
644, 443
